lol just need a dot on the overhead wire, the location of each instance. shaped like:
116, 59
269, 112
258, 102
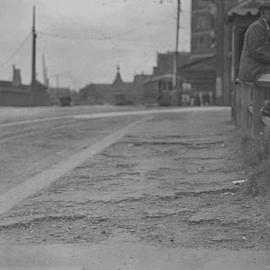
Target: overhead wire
97, 34
16, 52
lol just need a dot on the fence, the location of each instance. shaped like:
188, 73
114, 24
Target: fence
249, 99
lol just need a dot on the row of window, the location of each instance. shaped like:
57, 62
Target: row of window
203, 44
203, 22
200, 4
165, 85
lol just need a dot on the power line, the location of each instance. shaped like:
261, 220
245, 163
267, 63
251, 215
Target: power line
86, 38
16, 51
58, 14
100, 33
62, 36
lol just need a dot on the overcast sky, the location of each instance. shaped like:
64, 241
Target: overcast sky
84, 40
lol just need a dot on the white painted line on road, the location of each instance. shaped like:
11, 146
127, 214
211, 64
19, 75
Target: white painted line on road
38, 182
115, 114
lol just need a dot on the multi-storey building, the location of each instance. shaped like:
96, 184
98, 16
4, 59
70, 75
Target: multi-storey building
207, 43
203, 28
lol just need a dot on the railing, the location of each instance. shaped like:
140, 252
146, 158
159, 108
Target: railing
249, 99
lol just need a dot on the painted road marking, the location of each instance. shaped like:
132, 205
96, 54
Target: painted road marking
42, 180
115, 114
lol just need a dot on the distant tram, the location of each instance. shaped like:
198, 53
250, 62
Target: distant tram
159, 91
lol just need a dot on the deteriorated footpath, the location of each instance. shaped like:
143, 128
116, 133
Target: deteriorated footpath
161, 196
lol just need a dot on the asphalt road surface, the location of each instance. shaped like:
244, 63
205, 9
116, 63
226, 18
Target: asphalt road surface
135, 180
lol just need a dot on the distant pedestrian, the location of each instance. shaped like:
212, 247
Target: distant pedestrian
197, 100
191, 100
204, 99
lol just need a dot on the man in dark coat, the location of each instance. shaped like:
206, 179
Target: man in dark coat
255, 58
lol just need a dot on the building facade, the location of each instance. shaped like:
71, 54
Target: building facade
208, 31
15, 93
118, 92
203, 28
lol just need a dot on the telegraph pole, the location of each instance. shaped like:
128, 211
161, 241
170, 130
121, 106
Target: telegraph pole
175, 62
220, 51
34, 38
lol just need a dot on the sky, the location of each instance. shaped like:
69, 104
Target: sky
84, 40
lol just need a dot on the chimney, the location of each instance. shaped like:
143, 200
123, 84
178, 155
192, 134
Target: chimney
16, 80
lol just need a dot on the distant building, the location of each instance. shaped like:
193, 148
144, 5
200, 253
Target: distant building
57, 94
207, 47
15, 93
165, 62
203, 28
118, 92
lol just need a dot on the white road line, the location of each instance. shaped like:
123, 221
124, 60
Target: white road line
115, 114
38, 182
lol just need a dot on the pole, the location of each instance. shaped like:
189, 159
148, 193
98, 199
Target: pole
57, 81
175, 64
220, 51
34, 37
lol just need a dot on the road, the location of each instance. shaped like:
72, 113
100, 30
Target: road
136, 180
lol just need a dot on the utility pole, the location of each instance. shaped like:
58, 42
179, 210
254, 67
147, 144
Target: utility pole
175, 62
57, 81
220, 50
34, 38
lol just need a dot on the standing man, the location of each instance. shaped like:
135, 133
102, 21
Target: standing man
255, 58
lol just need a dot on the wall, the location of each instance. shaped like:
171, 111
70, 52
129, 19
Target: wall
14, 97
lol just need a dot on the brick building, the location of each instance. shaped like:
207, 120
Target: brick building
207, 47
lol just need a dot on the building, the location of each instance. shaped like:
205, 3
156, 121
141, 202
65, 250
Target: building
203, 29
15, 93
118, 92
165, 62
207, 48
59, 94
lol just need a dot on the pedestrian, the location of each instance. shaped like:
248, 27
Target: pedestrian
197, 101
207, 99
191, 100
204, 98
255, 58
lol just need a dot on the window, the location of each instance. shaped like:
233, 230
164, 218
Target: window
170, 86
